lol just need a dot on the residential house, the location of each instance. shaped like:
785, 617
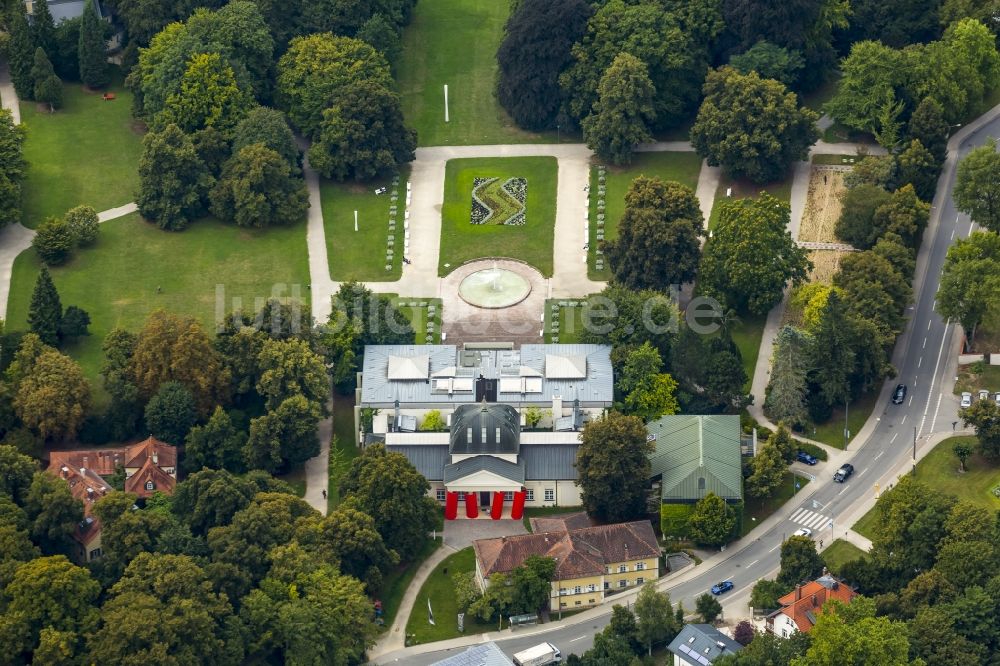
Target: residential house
150, 466
491, 457
591, 562
701, 645
697, 455
800, 607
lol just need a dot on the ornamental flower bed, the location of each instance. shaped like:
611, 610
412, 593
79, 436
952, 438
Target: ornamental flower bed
496, 202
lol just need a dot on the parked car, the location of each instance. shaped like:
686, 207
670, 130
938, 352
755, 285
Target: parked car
984, 394
966, 399
845, 471
723, 587
899, 395
803, 531
804, 457
997, 397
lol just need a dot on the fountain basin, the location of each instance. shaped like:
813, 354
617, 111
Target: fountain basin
494, 288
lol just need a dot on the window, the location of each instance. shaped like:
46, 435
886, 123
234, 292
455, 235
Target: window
622, 568
508, 496
607, 585
577, 603
577, 590
563, 591
562, 604
461, 495
640, 566
440, 494
622, 583
149, 485
640, 580
94, 554
701, 483
529, 495
550, 495
591, 588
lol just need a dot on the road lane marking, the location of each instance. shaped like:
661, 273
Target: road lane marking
880, 453
911, 400
929, 324
904, 419
920, 361
774, 549
971, 225
844, 489
894, 438
578, 638
952, 235
752, 563
924, 346
862, 472
930, 392
937, 409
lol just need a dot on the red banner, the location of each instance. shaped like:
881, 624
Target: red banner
471, 505
450, 505
517, 510
497, 509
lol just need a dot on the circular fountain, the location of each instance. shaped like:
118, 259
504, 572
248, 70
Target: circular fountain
494, 288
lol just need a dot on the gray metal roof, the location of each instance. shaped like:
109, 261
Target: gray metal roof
546, 462
522, 374
485, 428
696, 455
485, 654
702, 644
463, 468
428, 459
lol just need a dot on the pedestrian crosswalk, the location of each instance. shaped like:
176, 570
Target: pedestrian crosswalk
810, 519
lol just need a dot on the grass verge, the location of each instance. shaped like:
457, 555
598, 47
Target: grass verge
840, 553
747, 334
569, 318
85, 153
396, 581
831, 433
417, 310
462, 241
756, 511
342, 448
977, 376
740, 188
440, 589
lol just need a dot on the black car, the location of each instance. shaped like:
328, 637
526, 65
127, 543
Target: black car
844, 472
899, 395
804, 457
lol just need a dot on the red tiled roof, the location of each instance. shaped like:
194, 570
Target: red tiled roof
578, 553
564, 523
136, 455
804, 602
162, 481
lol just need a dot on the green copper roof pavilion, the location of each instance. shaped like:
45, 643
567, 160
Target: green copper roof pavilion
696, 455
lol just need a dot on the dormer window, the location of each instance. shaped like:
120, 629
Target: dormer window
149, 485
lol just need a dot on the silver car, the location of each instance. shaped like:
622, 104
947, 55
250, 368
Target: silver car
966, 400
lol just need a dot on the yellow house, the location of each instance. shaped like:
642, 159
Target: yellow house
591, 562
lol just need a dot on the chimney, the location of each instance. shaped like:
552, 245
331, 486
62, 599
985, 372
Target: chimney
576, 414
556, 409
156, 458
815, 602
64, 472
90, 493
798, 592
395, 415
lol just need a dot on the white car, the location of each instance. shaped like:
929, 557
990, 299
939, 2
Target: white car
997, 398
966, 400
804, 532
984, 394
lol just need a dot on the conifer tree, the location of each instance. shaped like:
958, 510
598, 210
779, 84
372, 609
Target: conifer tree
43, 27
21, 53
45, 311
48, 87
92, 50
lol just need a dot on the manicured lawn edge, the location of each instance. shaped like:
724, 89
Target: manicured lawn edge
839, 553
761, 509
398, 580
441, 591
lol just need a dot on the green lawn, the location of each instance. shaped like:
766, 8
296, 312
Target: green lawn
570, 320
756, 511
418, 315
462, 241
866, 525
441, 591
977, 376
85, 153
396, 581
135, 268
342, 449
820, 96
361, 254
832, 432
840, 553
454, 43
747, 334
780, 189
681, 167
833, 160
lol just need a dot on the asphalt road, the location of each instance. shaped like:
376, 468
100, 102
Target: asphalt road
921, 358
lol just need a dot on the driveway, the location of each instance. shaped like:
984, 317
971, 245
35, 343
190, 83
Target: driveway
460, 533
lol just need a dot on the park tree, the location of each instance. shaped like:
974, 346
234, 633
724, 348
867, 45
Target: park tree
831, 354
623, 113
786, 390
318, 69
208, 96
613, 467
977, 186
712, 522
744, 633
904, 214
269, 127
648, 392
895, 23
708, 608
770, 61
765, 594
43, 27
535, 49
655, 623
381, 33
53, 241
54, 513
752, 127
289, 368
610, 318
766, 648
362, 134
768, 471
257, 188
92, 49
799, 561
165, 604
874, 290
45, 310
20, 51
984, 417
731, 270
174, 348
66, 60
173, 179
285, 436
970, 281
855, 635
866, 99
54, 397
83, 223
12, 167
351, 536
919, 168
216, 445
48, 87
49, 594
933, 639
856, 224
674, 56
386, 486
658, 236
170, 413
16, 472
928, 126
210, 498
962, 451
125, 410
878, 170
912, 522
